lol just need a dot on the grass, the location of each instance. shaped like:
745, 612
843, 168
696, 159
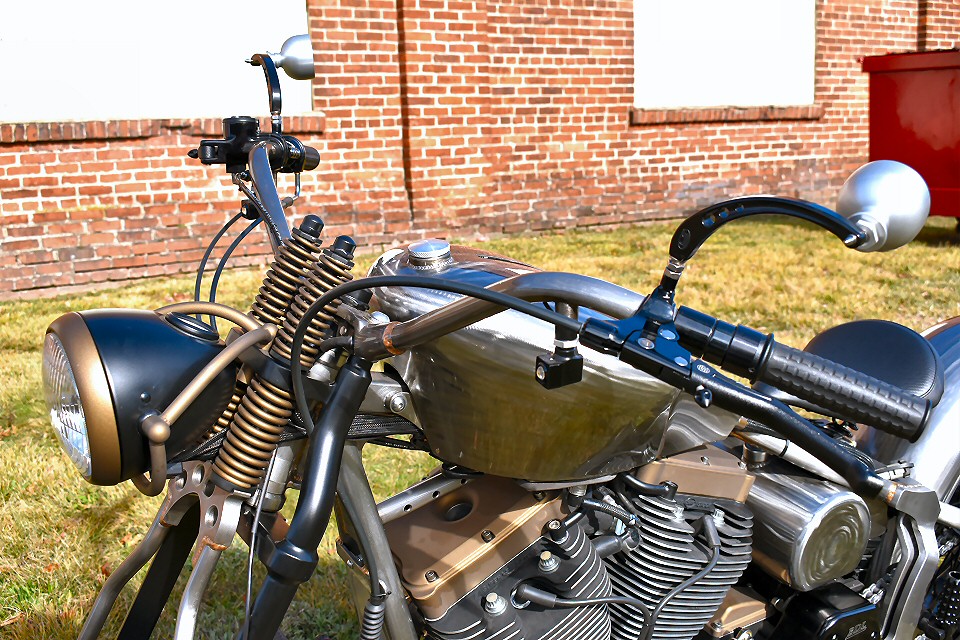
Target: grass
61, 537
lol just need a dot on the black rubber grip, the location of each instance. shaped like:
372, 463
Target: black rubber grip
851, 394
311, 158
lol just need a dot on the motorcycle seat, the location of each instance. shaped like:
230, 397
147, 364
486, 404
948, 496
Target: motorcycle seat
885, 350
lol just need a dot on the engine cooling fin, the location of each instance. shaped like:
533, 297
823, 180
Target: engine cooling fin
579, 574
670, 554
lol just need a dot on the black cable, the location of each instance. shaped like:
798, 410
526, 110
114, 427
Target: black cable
253, 543
611, 510
549, 600
223, 263
377, 592
500, 299
710, 532
206, 256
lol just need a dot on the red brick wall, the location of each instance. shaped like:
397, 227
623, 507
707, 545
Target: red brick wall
449, 117
939, 25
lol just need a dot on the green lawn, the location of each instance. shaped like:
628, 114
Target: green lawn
61, 537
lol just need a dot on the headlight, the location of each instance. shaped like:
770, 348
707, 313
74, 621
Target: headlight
63, 399
103, 371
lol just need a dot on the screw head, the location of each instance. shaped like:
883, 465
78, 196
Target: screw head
487, 535
398, 403
541, 372
431, 576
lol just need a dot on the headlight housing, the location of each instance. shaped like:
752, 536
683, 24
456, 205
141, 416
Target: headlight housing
104, 370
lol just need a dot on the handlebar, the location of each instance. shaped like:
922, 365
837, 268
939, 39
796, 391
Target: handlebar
837, 388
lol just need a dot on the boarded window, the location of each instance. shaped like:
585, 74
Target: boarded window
117, 59
705, 53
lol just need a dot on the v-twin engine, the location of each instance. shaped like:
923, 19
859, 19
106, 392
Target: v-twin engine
464, 555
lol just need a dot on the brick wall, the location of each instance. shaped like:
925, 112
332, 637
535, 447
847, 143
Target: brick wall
453, 118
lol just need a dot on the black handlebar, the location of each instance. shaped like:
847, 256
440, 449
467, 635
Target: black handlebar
851, 394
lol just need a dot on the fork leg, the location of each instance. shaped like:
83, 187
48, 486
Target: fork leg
147, 548
160, 579
192, 595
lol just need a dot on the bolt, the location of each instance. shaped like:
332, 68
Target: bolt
645, 343
541, 372
716, 624
548, 562
703, 396
431, 576
494, 604
553, 525
538, 495
487, 535
666, 334
705, 460
680, 360
397, 403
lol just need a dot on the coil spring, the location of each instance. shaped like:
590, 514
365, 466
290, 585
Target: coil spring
948, 608
265, 409
254, 433
371, 626
227, 416
333, 268
295, 258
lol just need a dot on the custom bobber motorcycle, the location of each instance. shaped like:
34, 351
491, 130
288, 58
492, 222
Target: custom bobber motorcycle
598, 476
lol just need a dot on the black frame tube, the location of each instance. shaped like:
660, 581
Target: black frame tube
293, 561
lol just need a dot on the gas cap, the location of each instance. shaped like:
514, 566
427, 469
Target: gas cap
431, 253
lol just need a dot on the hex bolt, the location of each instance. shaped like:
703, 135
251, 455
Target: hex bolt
494, 604
397, 403
431, 576
548, 562
487, 535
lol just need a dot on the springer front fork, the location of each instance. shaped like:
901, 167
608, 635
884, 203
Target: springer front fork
200, 517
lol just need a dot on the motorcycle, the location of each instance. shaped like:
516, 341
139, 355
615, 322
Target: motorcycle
599, 477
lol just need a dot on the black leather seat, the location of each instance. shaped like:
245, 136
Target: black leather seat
885, 350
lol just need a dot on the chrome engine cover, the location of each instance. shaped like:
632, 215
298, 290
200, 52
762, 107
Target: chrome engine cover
479, 405
807, 531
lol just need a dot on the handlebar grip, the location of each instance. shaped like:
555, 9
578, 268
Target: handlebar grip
311, 158
852, 394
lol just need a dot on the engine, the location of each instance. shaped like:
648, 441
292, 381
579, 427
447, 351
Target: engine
465, 552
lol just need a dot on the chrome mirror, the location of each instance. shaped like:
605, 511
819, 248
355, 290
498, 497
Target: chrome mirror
296, 58
888, 200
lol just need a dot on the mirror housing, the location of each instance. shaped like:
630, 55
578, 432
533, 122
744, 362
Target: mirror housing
888, 200
296, 58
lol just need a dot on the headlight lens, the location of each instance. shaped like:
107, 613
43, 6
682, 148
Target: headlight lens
63, 401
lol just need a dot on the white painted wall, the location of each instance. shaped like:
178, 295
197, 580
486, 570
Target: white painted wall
129, 59
708, 53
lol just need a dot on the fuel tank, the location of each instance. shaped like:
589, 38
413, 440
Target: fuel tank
480, 406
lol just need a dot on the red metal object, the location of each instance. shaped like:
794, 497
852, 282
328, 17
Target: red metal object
915, 118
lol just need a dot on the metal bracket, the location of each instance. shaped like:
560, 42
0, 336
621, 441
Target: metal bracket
214, 513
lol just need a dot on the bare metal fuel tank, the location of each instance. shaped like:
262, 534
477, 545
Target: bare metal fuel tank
480, 406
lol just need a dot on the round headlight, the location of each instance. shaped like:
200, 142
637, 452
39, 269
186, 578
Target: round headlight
63, 399
105, 370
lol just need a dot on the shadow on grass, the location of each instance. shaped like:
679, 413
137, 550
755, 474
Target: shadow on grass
940, 233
